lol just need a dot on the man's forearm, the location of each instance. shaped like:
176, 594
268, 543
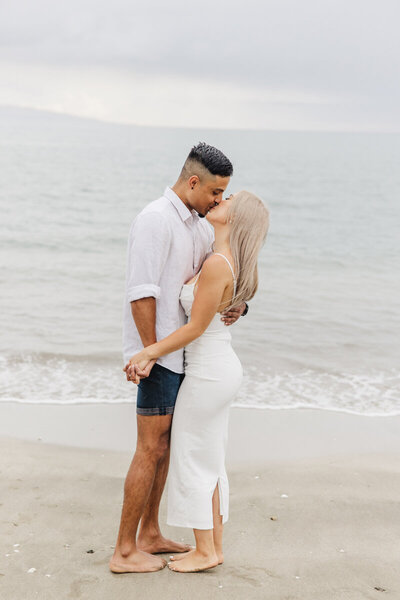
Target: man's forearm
144, 315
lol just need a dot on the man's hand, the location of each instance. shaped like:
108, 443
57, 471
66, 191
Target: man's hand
231, 316
138, 367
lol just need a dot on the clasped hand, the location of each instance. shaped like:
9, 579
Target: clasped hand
138, 367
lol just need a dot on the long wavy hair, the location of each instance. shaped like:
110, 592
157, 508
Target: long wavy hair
249, 220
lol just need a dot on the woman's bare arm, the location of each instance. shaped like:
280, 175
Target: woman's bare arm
210, 290
212, 283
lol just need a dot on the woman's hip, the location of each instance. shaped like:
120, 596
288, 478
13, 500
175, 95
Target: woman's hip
214, 366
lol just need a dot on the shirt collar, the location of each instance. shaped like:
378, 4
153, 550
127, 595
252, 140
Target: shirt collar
182, 209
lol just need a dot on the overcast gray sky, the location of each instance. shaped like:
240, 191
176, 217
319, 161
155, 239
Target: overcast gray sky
271, 64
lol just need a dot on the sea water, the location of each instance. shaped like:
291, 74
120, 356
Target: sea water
324, 328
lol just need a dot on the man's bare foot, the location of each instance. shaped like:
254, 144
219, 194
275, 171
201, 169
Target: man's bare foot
161, 545
193, 562
137, 562
177, 557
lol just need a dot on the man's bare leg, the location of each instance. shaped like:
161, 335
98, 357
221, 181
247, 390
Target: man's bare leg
152, 446
150, 538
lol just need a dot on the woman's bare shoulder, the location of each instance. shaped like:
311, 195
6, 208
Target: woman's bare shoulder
216, 266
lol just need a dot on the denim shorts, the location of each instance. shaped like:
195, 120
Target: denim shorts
157, 393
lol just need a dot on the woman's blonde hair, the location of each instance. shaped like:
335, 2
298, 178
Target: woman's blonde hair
249, 220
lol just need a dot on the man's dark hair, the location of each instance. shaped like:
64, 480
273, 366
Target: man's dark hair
211, 158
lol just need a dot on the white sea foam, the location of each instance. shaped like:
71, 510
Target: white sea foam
375, 393
55, 380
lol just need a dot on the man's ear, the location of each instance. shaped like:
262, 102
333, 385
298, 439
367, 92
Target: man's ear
193, 181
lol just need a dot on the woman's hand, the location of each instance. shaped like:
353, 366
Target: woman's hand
138, 367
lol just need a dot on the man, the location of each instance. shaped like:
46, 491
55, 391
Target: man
168, 242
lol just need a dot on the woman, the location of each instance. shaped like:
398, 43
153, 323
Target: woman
198, 492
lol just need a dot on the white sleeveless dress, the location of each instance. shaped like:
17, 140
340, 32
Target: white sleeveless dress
213, 375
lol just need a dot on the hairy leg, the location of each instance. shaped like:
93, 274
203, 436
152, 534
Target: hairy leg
149, 523
150, 537
152, 446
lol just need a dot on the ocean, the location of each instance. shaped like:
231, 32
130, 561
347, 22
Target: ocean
324, 328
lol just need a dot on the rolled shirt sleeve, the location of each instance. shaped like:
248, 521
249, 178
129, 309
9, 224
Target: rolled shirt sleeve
149, 245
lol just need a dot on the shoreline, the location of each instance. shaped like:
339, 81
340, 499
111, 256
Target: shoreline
255, 435
90, 402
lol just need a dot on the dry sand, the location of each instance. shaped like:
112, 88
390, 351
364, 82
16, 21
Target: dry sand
335, 532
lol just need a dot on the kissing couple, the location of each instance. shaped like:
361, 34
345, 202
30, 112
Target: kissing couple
188, 279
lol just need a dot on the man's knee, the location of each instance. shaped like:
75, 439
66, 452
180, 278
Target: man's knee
154, 448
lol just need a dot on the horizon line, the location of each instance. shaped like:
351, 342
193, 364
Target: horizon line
188, 127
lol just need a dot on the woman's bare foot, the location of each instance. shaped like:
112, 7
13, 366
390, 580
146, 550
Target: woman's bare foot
161, 545
177, 557
137, 562
193, 562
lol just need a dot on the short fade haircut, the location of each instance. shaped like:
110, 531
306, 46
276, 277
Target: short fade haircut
209, 158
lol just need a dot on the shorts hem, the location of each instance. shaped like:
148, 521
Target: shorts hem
155, 411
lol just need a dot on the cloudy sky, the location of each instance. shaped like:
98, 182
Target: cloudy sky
270, 64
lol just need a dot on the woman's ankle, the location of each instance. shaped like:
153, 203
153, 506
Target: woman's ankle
207, 552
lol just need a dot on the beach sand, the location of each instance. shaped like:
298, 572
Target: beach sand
315, 511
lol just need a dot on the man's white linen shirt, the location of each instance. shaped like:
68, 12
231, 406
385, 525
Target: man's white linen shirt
167, 245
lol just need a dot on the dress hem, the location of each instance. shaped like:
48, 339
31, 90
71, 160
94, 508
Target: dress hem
192, 526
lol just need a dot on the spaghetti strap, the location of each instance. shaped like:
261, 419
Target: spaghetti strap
232, 271
231, 268
196, 278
